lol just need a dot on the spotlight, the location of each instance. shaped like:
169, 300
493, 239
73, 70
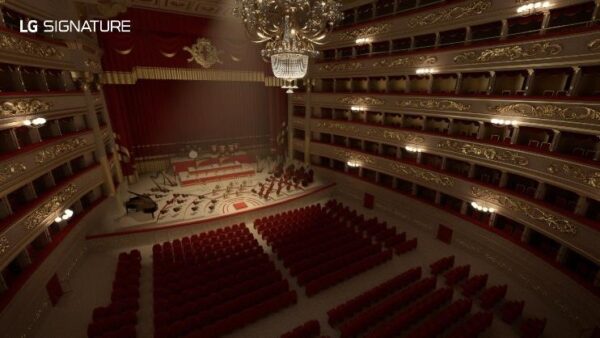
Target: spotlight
35, 123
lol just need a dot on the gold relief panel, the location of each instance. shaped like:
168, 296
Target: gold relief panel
7, 171
406, 61
588, 177
59, 149
548, 111
204, 53
402, 136
431, 104
28, 47
366, 31
556, 223
51, 206
510, 53
449, 14
4, 245
18, 107
487, 153
338, 126
423, 175
352, 156
361, 100
337, 67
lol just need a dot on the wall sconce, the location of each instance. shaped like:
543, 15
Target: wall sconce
424, 71
68, 213
358, 108
503, 122
482, 208
413, 149
532, 7
353, 164
363, 41
35, 123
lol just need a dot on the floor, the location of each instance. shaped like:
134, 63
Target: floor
91, 285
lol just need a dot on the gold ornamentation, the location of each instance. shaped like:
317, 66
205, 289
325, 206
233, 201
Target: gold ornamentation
402, 136
4, 245
548, 111
594, 45
424, 175
510, 53
352, 156
49, 207
434, 104
338, 126
454, 13
204, 53
336, 67
56, 150
361, 100
591, 178
487, 153
21, 45
93, 65
556, 223
7, 171
366, 31
406, 61
23, 107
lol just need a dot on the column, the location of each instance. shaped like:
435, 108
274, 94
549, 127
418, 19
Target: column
458, 83
515, 136
503, 179
555, 140
399, 152
413, 190
387, 84
464, 207
504, 30
561, 255
492, 220
437, 39
573, 86
540, 192
23, 259
44, 80
529, 82
3, 284
597, 150
596, 10
526, 235
412, 43
545, 21
394, 182
444, 163
468, 35
430, 84
377, 177
2, 24
99, 142
419, 157
490, 88
360, 171
481, 131
471, 173
582, 205
438, 198
424, 126
17, 78
109, 127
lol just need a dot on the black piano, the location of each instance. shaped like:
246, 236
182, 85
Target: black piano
141, 203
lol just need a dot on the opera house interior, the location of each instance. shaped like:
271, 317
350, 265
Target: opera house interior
299, 168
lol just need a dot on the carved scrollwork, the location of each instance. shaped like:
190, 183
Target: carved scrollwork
487, 153
93, 65
56, 150
49, 207
10, 170
18, 107
204, 53
337, 67
4, 245
536, 214
361, 100
366, 31
21, 45
548, 111
454, 13
406, 61
434, 104
338, 126
423, 175
402, 136
588, 177
510, 53
356, 157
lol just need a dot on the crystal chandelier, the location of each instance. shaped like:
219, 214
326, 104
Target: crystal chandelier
290, 29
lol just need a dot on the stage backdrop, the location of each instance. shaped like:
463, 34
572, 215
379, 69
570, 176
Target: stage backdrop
157, 117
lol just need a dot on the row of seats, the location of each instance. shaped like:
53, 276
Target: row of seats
437, 324
441, 265
457, 274
119, 318
310, 329
474, 284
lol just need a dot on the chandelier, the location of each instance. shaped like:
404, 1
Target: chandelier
290, 29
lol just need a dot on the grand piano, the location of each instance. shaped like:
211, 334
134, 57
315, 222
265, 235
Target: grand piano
141, 203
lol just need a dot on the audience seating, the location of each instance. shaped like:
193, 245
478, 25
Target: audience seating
443, 319
309, 329
492, 295
441, 265
511, 311
474, 285
457, 274
473, 326
407, 246
214, 283
119, 318
532, 327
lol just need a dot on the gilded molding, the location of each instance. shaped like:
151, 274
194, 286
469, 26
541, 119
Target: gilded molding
424, 175
93, 65
433, 104
510, 53
594, 45
549, 111
18, 107
4, 245
556, 223
361, 100
12, 169
56, 150
487, 153
588, 177
338, 126
29, 47
352, 156
406, 61
454, 13
402, 137
54, 204
336, 67
204, 53
366, 31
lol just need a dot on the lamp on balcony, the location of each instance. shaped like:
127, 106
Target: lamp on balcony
68, 213
482, 208
35, 123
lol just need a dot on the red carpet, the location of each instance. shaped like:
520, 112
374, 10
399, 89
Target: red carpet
240, 205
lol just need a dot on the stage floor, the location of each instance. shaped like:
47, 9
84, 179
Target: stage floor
190, 203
